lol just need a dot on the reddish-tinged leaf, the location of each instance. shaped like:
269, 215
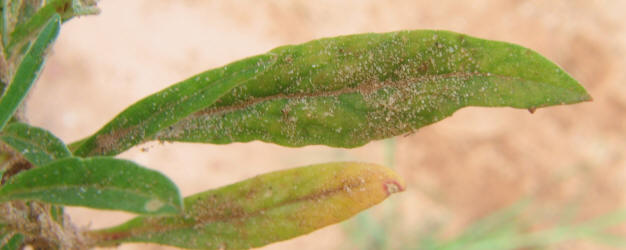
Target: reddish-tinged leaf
265, 209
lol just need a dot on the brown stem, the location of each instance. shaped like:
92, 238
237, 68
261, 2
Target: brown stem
41, 231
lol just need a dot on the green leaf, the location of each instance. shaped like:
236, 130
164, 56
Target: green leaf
10, 12
99, 182
265, 209
506, 229
30, 24
347, 91
58, 214
158, 111
37, 145
343, 92
14, 242
28, 70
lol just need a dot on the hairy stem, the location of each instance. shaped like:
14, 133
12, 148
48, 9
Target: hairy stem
35, 222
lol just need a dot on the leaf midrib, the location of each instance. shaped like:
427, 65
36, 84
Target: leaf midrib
202, 91
365, 88
129, 235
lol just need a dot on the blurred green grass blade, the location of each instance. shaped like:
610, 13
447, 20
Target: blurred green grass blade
265, 209
503, 230
37, 145
368, 233
347, 91
30, 24
28, 69
500, 230
608, 239
99, 182
143, 119
501, 224
14, 242
594, 229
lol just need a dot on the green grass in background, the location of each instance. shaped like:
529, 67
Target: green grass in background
506, 228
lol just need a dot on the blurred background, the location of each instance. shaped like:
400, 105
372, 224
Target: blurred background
485, 178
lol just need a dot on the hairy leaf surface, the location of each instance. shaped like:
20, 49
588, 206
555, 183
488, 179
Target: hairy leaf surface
143, 119
347, 91
99, 182
37, 145
265, 209
28, 69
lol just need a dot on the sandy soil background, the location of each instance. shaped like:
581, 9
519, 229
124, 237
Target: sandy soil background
458, 170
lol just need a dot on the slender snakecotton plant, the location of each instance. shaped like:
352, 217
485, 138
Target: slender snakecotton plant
341, 92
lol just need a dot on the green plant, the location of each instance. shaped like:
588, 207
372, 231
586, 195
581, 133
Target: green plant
507, 228
340, 92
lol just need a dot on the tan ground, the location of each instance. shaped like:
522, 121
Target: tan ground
458, 170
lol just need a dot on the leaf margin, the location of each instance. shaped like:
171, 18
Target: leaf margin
28, 69
153, 192
357, 186
17, 135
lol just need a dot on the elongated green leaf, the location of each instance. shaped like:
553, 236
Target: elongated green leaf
158, 111
10, 15
346, 91
37, 145
265, 209
28, 70
30, 24
99, 182
12, 242
4, 25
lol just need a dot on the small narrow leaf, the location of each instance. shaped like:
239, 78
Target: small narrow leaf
11, 11
28, 69
265, 209
99, 182
30, 24
346, 91
58, 214
158, 111
4, 24
37, 145
11, 242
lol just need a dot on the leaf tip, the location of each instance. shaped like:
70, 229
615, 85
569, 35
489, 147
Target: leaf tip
388, 179
393, 186
393, 177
